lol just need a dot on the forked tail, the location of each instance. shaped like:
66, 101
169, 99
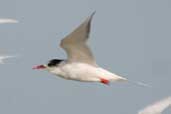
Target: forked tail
139, 83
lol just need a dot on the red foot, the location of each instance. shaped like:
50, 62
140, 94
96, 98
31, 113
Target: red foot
104, 81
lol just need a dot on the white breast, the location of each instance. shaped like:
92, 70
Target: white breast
84, 72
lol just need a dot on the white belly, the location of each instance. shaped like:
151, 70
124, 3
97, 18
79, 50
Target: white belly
85, 72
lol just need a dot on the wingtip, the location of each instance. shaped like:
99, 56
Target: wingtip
15, 21
91, 16
8, 20
163, 103
94, 12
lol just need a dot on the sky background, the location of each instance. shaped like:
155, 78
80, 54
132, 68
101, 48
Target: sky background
128, 37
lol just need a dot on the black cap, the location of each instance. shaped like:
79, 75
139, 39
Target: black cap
54, 62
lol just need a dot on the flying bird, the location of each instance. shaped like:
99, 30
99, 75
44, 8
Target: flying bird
4, 57
80, 64
3, 20
157, 108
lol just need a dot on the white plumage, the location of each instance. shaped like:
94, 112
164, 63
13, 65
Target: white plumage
3, 20
80, 64
4, 57
157, 108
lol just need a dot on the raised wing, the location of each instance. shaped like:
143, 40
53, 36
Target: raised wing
75, 44
157, 108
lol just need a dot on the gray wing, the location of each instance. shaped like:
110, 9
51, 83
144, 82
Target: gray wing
75, 44
157, 108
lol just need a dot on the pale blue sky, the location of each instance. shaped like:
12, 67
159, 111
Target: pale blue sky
128, 37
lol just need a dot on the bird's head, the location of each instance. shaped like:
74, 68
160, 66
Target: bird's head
51, 64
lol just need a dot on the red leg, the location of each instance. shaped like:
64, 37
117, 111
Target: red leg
104, 81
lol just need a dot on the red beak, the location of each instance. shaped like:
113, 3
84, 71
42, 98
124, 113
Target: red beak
39, 67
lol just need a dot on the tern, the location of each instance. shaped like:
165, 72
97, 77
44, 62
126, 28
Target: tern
6, 20
3, 57
80, 64
157, 108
